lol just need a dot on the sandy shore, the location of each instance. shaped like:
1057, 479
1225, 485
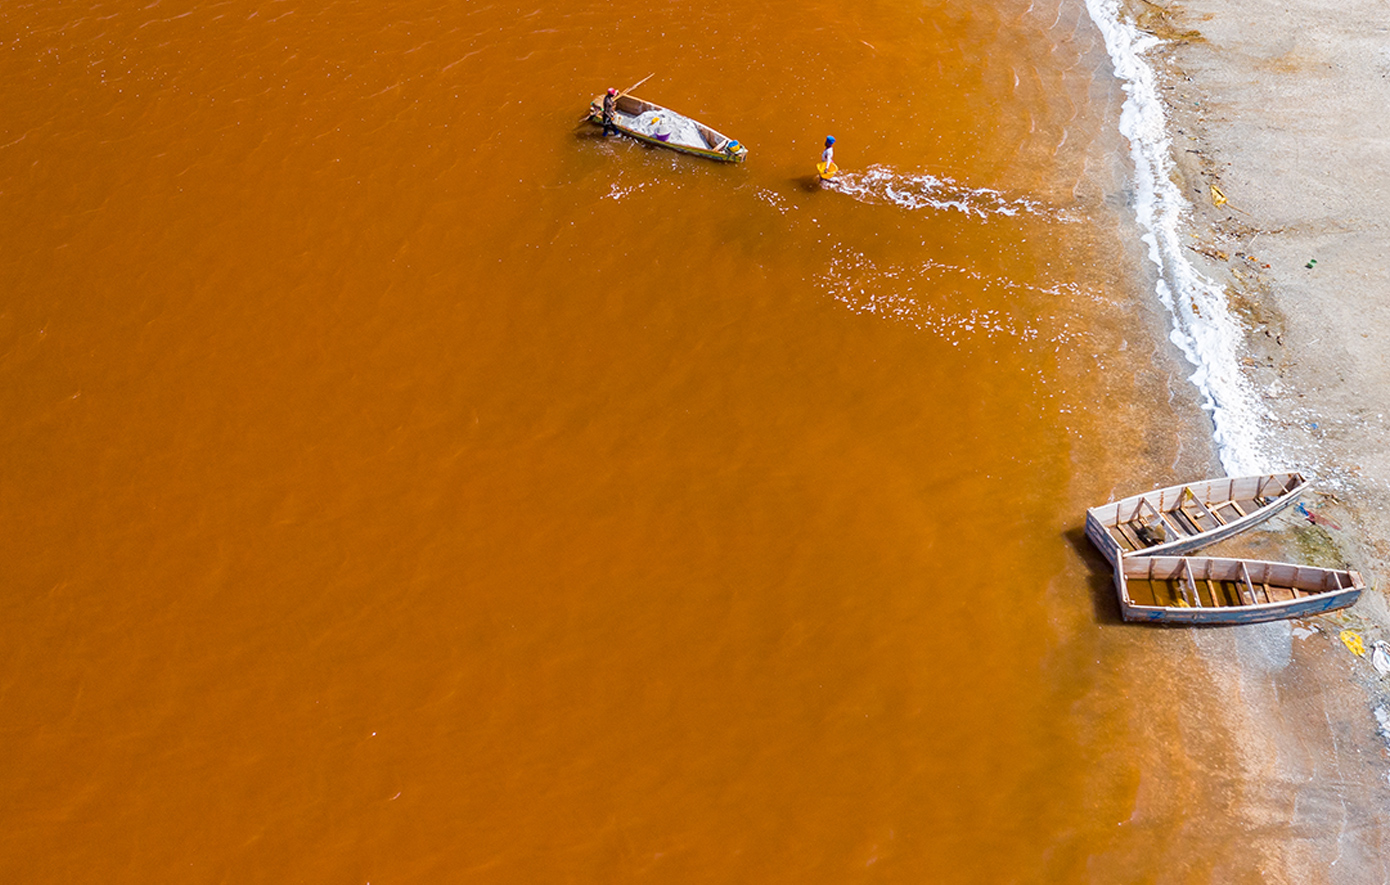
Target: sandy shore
1277, 111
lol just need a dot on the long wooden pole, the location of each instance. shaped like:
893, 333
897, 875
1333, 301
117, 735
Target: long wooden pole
621, 94
635, 85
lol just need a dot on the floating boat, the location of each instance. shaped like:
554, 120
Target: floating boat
1182, 518
665, 128
1210, 590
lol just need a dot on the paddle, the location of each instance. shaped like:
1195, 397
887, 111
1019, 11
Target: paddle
621, 94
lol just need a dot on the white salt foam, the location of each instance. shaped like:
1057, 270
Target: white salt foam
1203, 327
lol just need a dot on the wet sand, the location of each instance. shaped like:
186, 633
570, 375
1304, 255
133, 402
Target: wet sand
1275, 111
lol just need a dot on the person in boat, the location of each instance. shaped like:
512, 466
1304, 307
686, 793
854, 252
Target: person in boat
610, 104
828, 155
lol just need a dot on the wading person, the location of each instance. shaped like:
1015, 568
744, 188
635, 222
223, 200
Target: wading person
610, 103
826, 166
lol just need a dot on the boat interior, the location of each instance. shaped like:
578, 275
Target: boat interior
629, 108
1206, 593
1202, 583
1149, 522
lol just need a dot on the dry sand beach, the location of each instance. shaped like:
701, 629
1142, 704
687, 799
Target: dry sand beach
1279, 143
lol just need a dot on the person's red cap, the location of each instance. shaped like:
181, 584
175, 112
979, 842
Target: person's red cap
612, 91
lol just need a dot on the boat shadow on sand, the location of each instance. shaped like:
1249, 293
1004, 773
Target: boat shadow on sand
1099, 581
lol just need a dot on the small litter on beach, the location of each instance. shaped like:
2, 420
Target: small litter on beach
1381, 657
1317, 518
1311, 262
1218, 198
1354, 643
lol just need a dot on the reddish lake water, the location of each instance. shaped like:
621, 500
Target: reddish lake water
403, 483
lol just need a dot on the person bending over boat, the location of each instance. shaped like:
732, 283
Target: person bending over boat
610, 103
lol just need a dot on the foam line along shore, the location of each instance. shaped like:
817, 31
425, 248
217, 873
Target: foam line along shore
1203, 328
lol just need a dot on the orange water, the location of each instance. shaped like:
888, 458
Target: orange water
403, 483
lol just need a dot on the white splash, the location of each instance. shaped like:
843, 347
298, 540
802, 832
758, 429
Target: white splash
617, 191
774, 200
1203, 328
880, 184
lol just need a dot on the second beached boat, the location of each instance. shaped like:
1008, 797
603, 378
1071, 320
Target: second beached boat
1182, 518
664, 127
1209, 590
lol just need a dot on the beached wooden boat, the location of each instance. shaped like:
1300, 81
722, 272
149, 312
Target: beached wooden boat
1182, 518
1210, 590
663, 127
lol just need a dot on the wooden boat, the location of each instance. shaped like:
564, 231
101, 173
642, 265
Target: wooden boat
645, 121
1182, 518
1210, 590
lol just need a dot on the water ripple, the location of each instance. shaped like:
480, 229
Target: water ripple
860, 284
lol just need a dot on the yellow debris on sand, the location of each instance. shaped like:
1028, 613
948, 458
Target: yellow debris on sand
1354, 643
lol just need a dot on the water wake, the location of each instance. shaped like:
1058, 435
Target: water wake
879, 184
1203, 328
856, 282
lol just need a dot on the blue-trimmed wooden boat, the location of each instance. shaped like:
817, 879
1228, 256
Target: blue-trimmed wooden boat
1182, 518
1211, 590
634, 117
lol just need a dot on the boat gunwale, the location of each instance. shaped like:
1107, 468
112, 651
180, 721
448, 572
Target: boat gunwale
1099, 528
1241, 614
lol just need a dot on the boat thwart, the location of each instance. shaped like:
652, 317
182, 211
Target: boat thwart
1182, 518
1212, 590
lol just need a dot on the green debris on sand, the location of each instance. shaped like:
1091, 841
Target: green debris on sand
1317, 547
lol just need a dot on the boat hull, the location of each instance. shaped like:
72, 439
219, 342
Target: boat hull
1216, 591
1196, 514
